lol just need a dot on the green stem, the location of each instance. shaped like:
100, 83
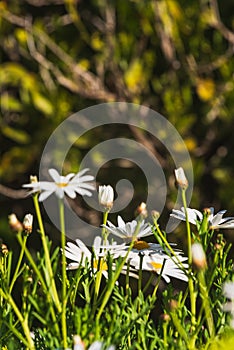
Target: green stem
34, 266
20, 317
50, 277
112, 283
165, 326
96, 288
64, 272
180, 328
189, 241
43, 284
179, 263
140, 274
190, 277
104, 232
22, 251
206, 303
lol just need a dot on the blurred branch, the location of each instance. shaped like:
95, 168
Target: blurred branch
219, 62
11, 193
149, 144
166, 41
39, 3
218, 24
82, 82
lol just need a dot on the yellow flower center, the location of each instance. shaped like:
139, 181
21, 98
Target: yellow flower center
139, 245
101, 265
61, 184
156, 266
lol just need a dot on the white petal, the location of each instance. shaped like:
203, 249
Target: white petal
44, 195
85, 185
73, 266
96, 245
72, 257
84, 192
70, 192
68, 177
55, 175
46, 185
120, 221
86, 178
217, 218
83, 247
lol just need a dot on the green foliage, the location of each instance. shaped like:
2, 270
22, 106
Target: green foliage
42, 306
174, 56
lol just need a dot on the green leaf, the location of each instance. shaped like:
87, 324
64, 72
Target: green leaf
16, 135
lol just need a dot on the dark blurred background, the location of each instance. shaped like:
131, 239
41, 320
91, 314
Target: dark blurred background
60, 56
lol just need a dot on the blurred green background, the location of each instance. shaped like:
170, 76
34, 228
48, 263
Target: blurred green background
174, 56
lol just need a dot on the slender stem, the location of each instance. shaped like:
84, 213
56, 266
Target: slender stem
189, 242
22, 251
178, 262
165, 326
112, 283
140, 274
190, 277
104, 231
34, 266
43, 284
206, 303
64, 272
96, 288
180, 328
20, 317
50, 278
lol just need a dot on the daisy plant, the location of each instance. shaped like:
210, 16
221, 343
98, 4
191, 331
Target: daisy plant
133, 288
70, 185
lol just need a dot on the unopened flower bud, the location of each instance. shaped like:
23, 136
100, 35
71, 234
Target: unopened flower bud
141, 210
27, 223
155, 215
4, 249
165, 317
14, 223
78, 343
198, 256
181, 179
207, 211
33, 179
218, 246
173, 304
106, 196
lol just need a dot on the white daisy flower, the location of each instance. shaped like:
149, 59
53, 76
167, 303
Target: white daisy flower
127, 231
195, 216
106, 196
78, 253
70, 185
156, 262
